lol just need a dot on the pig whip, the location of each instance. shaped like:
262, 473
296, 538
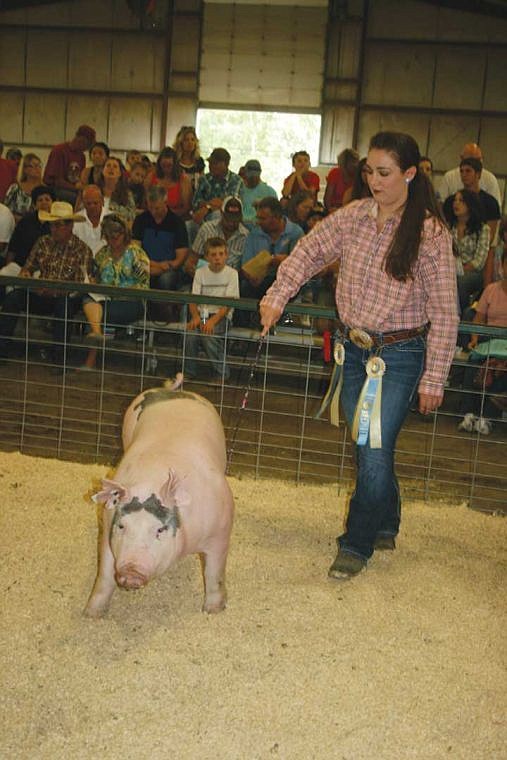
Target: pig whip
244, 403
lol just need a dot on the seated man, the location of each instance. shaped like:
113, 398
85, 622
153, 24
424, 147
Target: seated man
253, 191
269, 244
66, 162
163, 235
471, 173
90, 230
58, 256
215, 186
27, 231
7, 223
229, 228
452, 182
210, 321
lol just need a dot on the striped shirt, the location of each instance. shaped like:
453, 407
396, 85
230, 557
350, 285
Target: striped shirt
235, 243
366, 296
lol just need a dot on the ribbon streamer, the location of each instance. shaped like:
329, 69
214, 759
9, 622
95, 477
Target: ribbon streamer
367, 417
332, 397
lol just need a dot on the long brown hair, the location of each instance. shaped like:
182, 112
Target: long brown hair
121, 193
421, 201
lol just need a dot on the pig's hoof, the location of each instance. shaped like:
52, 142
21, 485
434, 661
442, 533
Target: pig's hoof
95, 613
212, 607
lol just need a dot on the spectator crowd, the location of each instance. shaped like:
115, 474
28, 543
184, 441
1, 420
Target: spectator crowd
170, 224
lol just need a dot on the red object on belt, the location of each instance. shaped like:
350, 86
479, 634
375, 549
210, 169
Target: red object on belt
326, 345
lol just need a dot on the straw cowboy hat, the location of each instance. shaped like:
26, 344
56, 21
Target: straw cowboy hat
60, 212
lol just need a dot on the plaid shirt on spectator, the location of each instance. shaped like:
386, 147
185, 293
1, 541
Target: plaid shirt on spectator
213, 187
366, 296
55, 261
473, 247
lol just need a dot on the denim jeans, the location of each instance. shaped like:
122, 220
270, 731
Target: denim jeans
375, 505
214, 348
61, 307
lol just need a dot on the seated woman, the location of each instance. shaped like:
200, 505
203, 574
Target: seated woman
168, 174
488, 362
360, 188
92, 175
117, 197
340, 179
122, 264
188, 156
302, 178
18, 197
470, 236
300, 207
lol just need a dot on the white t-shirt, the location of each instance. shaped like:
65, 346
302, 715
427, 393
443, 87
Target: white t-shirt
7, 223
224, 284
451, 183
89, 234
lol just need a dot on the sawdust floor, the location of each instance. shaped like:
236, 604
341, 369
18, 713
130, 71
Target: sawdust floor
405, 661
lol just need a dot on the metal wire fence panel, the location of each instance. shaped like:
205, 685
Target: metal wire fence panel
53, 407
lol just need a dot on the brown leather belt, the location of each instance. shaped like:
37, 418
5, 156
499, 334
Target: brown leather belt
363, 339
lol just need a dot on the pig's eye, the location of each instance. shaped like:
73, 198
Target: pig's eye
120, 526
161, 530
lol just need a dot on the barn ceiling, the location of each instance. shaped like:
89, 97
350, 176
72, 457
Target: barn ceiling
488, 7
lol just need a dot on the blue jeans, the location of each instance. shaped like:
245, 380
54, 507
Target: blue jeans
375, 505
214, 348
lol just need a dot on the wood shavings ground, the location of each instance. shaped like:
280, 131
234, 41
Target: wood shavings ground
405, 661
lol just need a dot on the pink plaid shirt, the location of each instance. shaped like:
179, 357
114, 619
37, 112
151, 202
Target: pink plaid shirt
366, 296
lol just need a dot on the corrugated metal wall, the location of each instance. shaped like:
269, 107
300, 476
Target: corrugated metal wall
434, 72
65, 64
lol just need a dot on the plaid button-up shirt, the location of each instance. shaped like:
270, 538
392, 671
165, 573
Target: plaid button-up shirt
214, 187
366, 296
55, 261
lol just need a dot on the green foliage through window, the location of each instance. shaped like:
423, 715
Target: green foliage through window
271, 137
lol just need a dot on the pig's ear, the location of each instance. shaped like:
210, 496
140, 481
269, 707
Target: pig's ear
174, 490
111, 495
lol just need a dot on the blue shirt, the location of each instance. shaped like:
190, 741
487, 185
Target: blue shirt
160, 241
249, 195
258, 241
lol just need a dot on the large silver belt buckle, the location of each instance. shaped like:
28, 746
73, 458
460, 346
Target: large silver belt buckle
360, 338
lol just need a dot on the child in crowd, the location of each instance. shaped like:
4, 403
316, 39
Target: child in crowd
133, 157
209, 321
137, 176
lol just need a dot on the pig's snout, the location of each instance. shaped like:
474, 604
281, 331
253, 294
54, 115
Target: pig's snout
131, 577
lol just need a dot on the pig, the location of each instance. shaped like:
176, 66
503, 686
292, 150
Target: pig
169, 497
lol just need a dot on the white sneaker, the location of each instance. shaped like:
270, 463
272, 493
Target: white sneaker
483, 426
468, 422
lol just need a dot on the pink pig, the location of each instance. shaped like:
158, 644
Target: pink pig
169, 497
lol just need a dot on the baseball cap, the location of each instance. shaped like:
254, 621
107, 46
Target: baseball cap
232, 208
87, 132
219, 154
252, 167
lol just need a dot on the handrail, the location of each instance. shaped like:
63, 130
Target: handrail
178, 296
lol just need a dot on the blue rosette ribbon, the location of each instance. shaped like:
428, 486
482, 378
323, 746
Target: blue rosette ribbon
367, 417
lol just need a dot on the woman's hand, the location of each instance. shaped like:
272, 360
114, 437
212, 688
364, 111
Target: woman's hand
428, 402
269, 317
